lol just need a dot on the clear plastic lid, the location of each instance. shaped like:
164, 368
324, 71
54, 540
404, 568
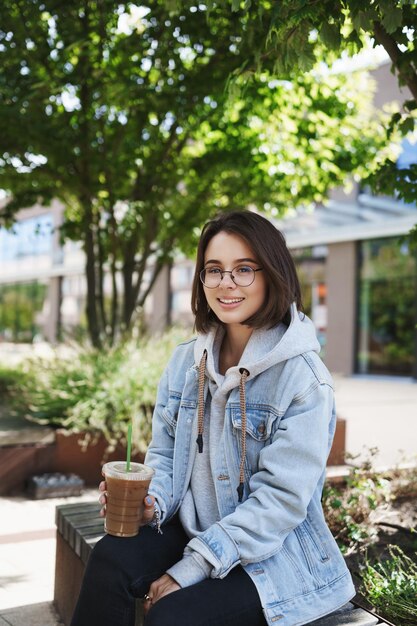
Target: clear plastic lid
138, 471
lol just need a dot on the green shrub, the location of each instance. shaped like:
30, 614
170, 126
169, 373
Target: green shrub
11, 380
354, 509
403, 480
391, 587
350, 510
93, 392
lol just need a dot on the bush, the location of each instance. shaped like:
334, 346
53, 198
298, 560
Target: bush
391, 587
354, 510
350, 510
11, 381
93, 392
403, 481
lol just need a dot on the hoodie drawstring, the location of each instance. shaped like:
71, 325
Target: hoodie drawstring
201, 380
242, 398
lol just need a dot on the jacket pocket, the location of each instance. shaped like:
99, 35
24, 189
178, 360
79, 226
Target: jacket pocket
170, 413
259, 421
312, 548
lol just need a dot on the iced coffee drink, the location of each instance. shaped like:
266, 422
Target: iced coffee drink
126, 491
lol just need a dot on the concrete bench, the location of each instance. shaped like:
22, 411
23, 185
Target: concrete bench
79, 527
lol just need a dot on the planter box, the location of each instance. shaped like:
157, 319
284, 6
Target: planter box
62, 454
18, 462
338, 452
70, 456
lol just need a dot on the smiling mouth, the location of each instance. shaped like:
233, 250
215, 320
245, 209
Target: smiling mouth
230, 300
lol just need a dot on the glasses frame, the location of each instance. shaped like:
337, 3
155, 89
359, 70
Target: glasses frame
223, 272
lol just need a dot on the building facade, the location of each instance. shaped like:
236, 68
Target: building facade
359, 280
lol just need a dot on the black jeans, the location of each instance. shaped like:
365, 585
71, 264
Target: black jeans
122, 569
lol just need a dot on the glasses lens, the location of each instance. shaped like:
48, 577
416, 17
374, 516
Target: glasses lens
211, 278
243, 275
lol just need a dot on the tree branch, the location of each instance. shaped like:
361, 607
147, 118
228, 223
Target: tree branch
407, 74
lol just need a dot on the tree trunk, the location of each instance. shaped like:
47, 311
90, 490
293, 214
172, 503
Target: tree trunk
92, 315
100, 281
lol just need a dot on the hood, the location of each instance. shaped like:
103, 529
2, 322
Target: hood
265, 348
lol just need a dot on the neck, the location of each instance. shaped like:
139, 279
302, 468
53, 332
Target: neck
233, 345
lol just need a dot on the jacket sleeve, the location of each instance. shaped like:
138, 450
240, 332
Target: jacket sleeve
290, 469
160, 452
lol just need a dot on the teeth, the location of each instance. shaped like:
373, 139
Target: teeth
231, 300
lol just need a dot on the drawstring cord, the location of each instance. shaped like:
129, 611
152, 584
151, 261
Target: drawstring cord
242, 397
201, 380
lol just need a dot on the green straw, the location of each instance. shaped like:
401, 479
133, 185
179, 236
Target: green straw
129, 446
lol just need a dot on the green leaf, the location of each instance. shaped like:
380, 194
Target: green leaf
408, 125
410, 105
392, 16
361, 21
330, 35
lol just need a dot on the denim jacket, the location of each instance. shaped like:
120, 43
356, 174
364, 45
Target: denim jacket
277, 533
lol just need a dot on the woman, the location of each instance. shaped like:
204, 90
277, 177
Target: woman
242, 428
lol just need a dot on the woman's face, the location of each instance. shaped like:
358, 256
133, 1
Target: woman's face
231, 303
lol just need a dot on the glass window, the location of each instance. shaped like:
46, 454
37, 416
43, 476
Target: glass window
30, 237
21, 311
311, 272
387, 308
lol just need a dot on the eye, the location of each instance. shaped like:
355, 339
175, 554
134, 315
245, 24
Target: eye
214, 271
243, 269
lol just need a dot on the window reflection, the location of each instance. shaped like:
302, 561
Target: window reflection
30, 237
387, 308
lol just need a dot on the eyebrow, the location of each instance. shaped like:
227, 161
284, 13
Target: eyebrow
237, 261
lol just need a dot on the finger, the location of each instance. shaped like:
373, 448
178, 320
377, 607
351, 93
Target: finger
153, 589
102, 486
149, 502
165, 590
103, 499
102, 512
147, 603
149, 509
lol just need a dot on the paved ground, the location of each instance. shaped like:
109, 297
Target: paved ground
27, 559
379, 412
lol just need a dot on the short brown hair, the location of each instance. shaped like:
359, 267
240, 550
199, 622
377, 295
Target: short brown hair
270, 249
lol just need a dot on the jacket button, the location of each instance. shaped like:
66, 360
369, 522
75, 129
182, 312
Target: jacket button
261, 428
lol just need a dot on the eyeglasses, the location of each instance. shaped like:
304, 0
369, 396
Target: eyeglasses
242, 275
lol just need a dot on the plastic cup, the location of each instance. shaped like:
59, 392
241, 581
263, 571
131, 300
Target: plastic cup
125, 494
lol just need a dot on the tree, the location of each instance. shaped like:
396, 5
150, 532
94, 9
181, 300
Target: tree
299, 33
123, 113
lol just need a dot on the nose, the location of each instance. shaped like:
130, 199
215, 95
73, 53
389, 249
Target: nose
230, 282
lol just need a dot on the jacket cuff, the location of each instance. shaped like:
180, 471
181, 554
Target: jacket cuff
217, 547
192, 569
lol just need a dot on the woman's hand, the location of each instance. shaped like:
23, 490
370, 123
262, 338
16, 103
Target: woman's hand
159, 588
102, 499
149, 503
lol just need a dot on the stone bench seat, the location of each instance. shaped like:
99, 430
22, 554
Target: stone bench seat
79, 527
